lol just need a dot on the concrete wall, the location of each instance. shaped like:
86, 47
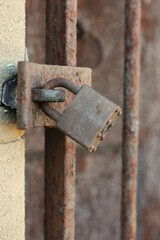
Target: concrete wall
100, 46
12, 42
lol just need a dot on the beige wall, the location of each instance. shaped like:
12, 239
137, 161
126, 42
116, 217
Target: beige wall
12, 46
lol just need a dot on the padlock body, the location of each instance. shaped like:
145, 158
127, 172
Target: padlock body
88, 117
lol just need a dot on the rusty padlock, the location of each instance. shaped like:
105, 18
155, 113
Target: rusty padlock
87, 118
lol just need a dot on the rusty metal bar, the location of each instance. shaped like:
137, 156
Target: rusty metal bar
131, 118
61, 19
48, 95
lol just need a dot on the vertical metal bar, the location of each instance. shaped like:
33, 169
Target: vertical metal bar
61, 19
131, 118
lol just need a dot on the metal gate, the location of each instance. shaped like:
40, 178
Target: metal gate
61, 38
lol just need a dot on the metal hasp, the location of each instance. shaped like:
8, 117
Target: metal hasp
87, 118
31, 79
131, 119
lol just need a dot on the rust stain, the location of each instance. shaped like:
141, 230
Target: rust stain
33, 75
60, 151
131, 118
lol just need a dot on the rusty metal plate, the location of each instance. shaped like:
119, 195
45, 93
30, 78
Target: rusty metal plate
88, 118
33, 75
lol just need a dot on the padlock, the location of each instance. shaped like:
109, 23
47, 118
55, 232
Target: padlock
87, 118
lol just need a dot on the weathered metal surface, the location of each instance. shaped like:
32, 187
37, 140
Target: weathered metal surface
47, 95
61, 20
32, 75
87, 118
53, 83
63, 82
131, 118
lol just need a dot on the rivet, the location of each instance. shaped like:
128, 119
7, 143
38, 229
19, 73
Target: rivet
118, 111
91, 149
102, 138
95, 149
109, 122
99, 135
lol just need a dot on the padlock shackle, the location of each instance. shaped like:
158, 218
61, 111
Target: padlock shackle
53, 83
50, 112
62, 82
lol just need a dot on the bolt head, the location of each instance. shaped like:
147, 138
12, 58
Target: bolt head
109, 122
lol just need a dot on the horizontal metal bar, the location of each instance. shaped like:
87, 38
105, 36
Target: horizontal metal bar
48, 95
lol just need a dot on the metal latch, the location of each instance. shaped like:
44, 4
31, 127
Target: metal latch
85, 117
34, 76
